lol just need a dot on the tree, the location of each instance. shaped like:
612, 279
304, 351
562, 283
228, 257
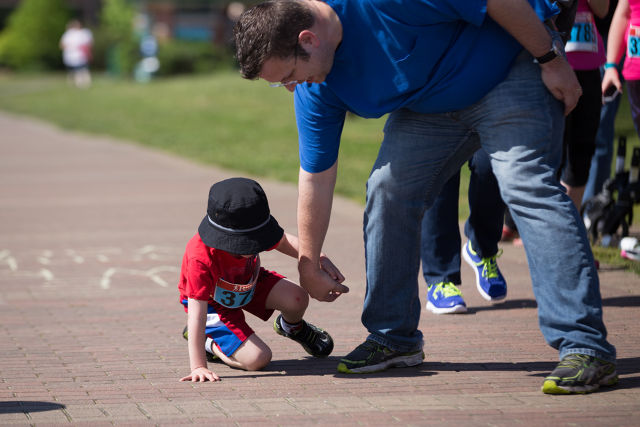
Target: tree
116, 27
30, 41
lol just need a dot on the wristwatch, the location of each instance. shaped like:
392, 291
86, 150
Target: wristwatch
556, 50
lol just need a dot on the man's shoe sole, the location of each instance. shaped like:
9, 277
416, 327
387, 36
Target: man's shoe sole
551, 387
396, 362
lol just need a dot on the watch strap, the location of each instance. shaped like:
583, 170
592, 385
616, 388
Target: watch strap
547, 57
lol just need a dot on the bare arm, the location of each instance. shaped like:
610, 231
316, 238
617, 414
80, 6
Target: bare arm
519, 19
196, 320
315, 198
600, 8
289, 246
616, 44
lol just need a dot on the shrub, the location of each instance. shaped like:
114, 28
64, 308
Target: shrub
182, 57
30, 41
116, 42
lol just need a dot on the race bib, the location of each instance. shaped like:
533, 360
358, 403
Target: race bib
633, 42
584, 36
235, 295
232, 295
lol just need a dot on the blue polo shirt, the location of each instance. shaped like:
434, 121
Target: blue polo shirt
430, 56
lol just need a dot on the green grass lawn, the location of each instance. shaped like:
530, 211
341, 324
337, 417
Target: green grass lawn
219, 119
216, 119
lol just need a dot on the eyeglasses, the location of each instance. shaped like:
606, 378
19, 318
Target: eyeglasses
290, 82
286, 84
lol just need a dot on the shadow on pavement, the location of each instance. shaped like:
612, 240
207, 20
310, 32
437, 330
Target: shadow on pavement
311, 366
18, 406
625, 301
507, 305
624, 366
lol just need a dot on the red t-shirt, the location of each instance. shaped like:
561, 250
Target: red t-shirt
202, 266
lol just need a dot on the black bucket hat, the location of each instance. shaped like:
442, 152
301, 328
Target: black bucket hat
238, 219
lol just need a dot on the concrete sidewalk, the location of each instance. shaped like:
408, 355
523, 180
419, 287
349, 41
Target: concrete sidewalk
91, 237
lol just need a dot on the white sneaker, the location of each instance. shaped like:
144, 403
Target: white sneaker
630, 248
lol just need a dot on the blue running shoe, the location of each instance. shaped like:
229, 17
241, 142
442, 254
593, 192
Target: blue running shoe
489, 280
445, 298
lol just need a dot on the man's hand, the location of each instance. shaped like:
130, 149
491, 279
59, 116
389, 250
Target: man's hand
519, 19
201, 374
319, 283
317, 275
559, 78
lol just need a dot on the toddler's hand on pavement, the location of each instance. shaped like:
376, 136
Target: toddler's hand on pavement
201, 374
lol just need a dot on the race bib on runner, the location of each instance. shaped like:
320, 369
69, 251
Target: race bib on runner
235, 295
584, 36
633, 42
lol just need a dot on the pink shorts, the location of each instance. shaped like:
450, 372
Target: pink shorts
227, 327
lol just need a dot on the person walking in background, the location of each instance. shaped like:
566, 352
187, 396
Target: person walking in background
625, 32
221, 278
585, 53
76, 44
600, 169
440, 242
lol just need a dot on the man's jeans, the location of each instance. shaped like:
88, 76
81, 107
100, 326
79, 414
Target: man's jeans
440, 243
520, 126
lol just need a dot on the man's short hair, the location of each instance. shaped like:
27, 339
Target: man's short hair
270, 30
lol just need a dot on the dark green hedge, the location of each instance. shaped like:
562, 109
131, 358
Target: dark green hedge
183, 57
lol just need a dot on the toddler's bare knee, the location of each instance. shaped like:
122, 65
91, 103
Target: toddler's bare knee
299, 300
261, 360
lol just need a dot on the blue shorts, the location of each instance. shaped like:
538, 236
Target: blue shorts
227, 327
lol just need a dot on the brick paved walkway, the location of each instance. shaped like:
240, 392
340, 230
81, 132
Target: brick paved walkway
91, 237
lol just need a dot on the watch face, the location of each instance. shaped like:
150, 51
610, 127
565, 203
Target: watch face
558, 47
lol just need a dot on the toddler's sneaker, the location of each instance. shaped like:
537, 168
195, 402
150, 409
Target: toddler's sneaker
210, 356
489, 280
579, 373
371, 357
317, 342
445, 298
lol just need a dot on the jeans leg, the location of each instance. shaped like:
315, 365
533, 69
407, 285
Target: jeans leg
440, 242
520, 126
486, 208
418, 155
600, 169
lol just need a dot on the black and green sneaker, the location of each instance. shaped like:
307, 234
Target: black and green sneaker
579, 373
317, 342
210, 357
371, 357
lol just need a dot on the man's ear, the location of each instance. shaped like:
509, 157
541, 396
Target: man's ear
308, 38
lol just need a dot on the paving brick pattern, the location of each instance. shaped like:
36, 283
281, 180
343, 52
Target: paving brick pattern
91, 237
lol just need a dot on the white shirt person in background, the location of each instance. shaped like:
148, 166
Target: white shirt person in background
76, 43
